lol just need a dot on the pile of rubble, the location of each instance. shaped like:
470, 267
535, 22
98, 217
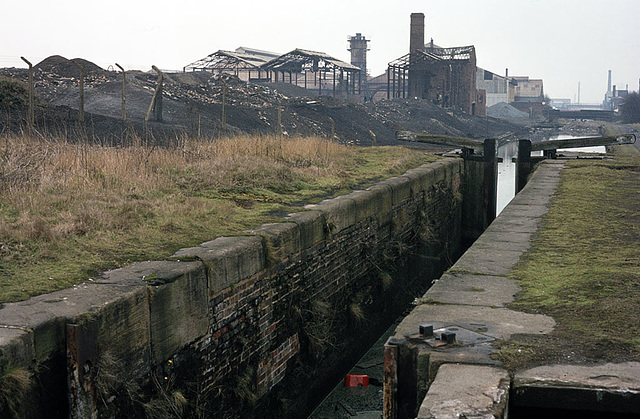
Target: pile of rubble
192, 103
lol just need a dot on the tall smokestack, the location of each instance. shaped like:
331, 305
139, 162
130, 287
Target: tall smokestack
506, 73
416, 37
609, 83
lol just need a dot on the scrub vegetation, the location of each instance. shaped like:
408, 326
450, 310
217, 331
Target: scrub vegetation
70, 211
583, 269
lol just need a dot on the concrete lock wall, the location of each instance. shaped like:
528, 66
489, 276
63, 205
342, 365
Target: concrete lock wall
253, 323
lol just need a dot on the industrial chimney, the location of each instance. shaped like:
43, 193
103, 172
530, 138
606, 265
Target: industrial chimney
416, 80
416, 37
358, 48
609, 83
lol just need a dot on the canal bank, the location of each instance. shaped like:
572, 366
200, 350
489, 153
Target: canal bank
479, 350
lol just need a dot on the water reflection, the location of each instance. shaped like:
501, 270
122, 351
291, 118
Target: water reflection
506, 174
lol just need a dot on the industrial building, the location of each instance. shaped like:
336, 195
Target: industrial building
312, 70
444, 76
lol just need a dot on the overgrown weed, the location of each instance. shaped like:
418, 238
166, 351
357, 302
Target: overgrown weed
70, 210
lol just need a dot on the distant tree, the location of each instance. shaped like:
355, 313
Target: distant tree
630, 109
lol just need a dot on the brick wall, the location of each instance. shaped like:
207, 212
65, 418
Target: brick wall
253, 325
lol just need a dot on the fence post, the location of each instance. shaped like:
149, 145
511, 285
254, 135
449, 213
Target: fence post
81, 81
156, 102
124, 98
30, 109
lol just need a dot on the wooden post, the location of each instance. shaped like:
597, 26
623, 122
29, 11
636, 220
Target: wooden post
224, 103
30, 109
524, 164
156, 101
279, 118
390, 380
81, 81
124, 99
333, 129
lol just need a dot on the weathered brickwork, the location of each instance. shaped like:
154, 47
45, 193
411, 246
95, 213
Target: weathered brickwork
307, 305
251, 325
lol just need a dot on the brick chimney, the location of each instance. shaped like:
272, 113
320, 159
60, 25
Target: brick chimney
416, 39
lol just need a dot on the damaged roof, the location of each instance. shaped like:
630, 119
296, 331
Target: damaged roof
242, 58
301, 59
436, 54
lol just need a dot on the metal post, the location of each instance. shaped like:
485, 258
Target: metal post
30, 109
124, 97
388, 83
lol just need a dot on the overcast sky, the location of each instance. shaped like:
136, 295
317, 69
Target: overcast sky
563, 42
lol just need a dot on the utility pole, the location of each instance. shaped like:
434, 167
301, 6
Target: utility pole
30, 109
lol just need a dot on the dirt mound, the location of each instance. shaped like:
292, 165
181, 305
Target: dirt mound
504, 110
67, 68
192, 105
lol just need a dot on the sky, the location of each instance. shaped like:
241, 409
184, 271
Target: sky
565, 43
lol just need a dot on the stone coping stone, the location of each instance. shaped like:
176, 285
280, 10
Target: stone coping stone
515, 209
400, 189
16, 347
421, 178
339, 213
311, 225
616, 376
469, 391
283, 239
477, 290
229, 260
46, 316
149, 272
372, 202
499, 323
609, 388
477, 260
498, 241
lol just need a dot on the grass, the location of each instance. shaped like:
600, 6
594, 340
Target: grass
583, 269
71, 211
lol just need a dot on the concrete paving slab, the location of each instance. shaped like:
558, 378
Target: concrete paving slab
478, 290
521, 241
525, 225
519, 210
469, 391
499, 323
497, 262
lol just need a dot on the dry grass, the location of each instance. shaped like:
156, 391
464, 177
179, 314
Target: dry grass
69, 211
